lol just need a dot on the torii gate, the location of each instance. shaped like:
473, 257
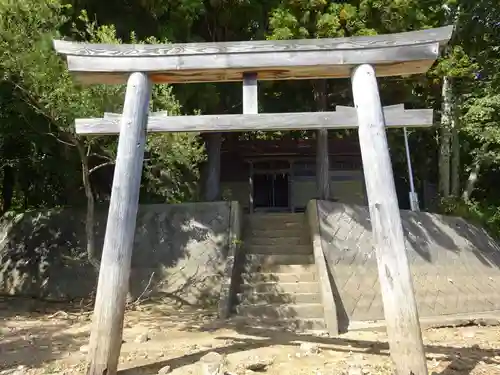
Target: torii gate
361, 58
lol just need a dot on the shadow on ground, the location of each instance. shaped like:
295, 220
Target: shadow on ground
426, 234
34, 346
462, 360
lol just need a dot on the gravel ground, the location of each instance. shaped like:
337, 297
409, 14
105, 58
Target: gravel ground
163, 338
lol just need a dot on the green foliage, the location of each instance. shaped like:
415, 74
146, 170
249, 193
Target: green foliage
482, 119
45, 100
317, 19
479, 213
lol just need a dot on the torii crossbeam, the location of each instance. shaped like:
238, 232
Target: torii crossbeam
392, 55
361, 58
343, 118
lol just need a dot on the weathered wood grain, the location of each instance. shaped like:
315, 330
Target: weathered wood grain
400, 309
250, 94
234, 75
352, 110
441, 34
262, 121
106, 335
151, 114
250, 106
394, 54
322, 157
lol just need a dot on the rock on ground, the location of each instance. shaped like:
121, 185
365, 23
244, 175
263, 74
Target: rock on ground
213, 364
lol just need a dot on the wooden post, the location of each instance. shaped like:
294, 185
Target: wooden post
322, 164
250, 106
250, 94
400, 309
106, 335
213, 145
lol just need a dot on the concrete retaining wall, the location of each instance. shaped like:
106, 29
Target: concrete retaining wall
455, 265
183, 246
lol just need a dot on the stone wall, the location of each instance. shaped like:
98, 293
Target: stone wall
181, 248
455, 265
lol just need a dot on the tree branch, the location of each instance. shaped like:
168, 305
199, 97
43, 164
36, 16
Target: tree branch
101, 156
101, 166
30, 101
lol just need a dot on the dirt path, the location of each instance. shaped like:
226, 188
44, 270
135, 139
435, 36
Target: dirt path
46, 342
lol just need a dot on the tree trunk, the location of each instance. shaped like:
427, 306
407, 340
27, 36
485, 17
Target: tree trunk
455, 154
445, 138
472, 180
212, 182
25, 198
455, 163
7, 188
90, 215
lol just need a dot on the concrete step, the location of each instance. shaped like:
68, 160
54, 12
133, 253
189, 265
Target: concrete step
292, 239
300, 276
250, 233
261, 262
279, 222
279, 288
281, 311
250, 298
277, 225
279, 249
283, 216
293, 325
282, 268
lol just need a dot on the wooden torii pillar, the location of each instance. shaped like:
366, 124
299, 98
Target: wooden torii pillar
361, 58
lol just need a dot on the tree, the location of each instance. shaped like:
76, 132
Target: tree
44, 89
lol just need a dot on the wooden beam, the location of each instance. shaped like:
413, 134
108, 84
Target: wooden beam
262, 121
400, 308
352, 110
158, 114
106, 335
394, 54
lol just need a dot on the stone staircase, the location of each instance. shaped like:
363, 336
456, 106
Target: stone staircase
279, 285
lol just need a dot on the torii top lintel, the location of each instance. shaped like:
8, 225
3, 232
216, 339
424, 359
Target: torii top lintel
392, 55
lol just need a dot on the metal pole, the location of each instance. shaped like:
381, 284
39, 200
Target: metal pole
413, 196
